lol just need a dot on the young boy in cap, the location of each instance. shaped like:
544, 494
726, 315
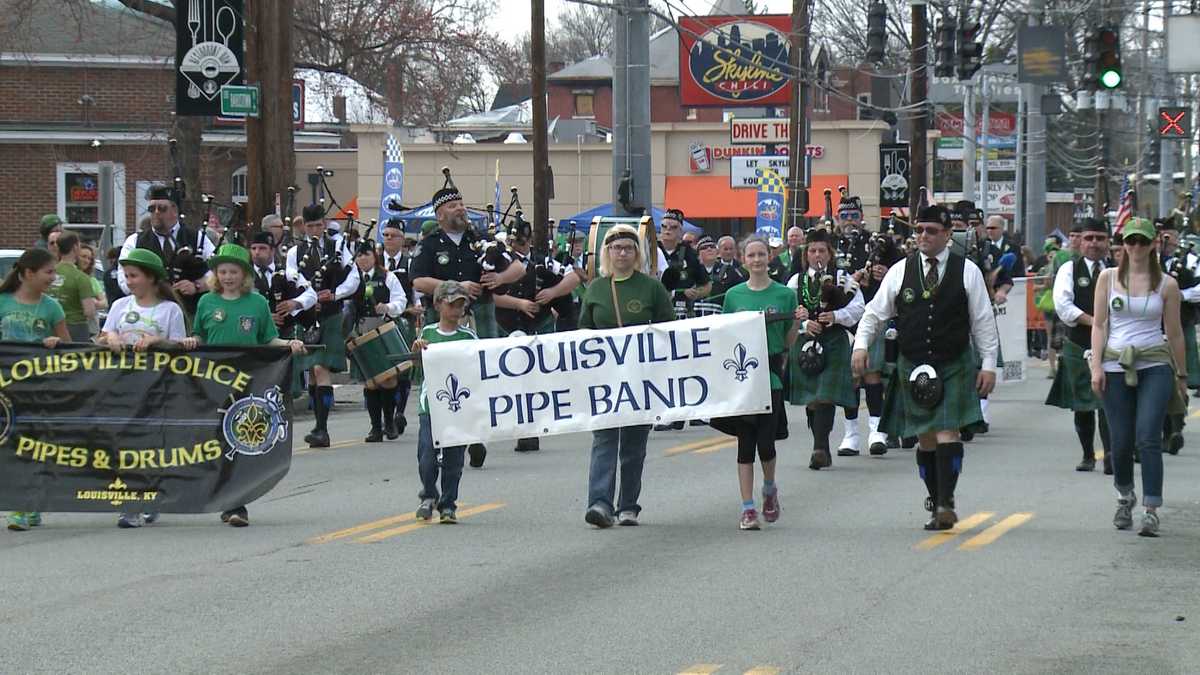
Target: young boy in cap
450, 302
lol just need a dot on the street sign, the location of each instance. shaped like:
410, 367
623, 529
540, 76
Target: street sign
239, 101
1174, 123
893, 174
1041, 54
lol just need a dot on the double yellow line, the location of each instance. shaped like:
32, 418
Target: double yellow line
383, 528
703, 447
710, 668
332, 446
969, 523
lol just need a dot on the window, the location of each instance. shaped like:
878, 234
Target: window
78, 197
693, 114
865, 113
585, 103
237, 188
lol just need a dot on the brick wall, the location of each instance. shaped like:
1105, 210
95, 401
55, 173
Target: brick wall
122, 97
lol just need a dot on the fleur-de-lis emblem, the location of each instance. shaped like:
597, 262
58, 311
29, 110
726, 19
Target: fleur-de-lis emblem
452, 394
740, 364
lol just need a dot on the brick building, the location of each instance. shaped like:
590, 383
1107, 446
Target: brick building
89, 83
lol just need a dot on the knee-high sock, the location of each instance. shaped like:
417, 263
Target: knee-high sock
402, 395
1085, 429
949, 457
822, 425
387, 397
1104, 433
312, 397
374, 407
927, 470
324, 401
851, 412
875, 399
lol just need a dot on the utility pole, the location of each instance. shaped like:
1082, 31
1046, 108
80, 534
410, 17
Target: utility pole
541, 151
1035, 128
969, 152
270, 149
1019, 212
918, 94
798, 178
631, 105
1167, 147
986, 105
1101, 197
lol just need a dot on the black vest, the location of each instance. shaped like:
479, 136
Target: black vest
936, 329
371, 292
1085, 294
326, 260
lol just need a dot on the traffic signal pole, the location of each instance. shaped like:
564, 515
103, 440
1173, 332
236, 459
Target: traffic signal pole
1167, 146
919, 94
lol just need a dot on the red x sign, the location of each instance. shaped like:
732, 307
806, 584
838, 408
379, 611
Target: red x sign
1174, 122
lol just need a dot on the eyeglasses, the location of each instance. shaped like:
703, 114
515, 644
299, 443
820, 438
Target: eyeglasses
161, 208
622, 249
1096, 237
930, 230
1136, 240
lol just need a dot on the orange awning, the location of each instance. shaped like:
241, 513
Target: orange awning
711, 196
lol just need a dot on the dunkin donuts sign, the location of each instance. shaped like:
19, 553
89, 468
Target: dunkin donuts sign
734, 60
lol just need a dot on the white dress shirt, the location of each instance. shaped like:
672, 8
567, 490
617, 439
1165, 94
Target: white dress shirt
1064, 290
344, 289
205, 247
398, 298
849, 315
1192, 294
983, 321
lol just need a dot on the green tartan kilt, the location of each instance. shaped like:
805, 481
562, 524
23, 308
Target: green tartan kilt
835, 384
959, 406
333, 356
876, 355
545, 328
1193, 356
1072, 387
297, 364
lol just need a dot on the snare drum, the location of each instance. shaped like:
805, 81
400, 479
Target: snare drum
371, 355
647, 237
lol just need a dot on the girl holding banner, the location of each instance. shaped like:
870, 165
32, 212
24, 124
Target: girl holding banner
28, 314
759, 432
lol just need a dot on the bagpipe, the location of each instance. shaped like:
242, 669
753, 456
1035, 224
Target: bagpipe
1185, 277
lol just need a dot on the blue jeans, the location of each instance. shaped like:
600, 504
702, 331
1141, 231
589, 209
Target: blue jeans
1135, 421
628, 446
427, 467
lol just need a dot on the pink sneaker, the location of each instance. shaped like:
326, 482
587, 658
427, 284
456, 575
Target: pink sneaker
771, 507
749, 520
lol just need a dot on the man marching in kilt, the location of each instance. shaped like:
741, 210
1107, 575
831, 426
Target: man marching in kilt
830, 304
1074, 288
326, 263
883, 254
1181, 262
941, 304
396, 261
379, 300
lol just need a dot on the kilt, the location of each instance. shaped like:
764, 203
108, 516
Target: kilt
545, 328
1072, 387
877, 356
297, 370
959, 406
333, 356
835, 384
1193, 356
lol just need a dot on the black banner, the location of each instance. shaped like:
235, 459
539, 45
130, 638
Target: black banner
893, 174
86, 429
208, 53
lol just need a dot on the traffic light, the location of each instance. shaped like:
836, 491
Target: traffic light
1091, 58
970, 52
876, 31
1108, 65
1153, 155
944, 48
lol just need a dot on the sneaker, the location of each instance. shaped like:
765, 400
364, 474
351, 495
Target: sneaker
749, 520
128, 521
151, 518
771, 506
35, 518
449, 517
628, 518
1088, 464
18, 521
599, 516
1123, 519
425, 510
1149, 524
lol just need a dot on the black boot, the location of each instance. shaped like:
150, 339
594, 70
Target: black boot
387, 401
822, 425
949, 464
908, 442
319, 438
927, 470
375, 412
1085, 429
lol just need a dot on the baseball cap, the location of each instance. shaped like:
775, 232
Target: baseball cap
450, 291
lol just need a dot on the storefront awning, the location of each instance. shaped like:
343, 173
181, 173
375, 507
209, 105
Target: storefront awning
711, 196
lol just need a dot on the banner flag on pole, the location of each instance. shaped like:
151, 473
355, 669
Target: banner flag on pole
768, 206
497, 197
393, 180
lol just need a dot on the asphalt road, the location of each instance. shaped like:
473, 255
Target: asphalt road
334, 576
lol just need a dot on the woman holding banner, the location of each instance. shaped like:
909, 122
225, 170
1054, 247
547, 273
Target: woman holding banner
621, 296
759, 432
28, 314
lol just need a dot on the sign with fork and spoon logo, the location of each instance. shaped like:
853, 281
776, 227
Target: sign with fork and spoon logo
208, 53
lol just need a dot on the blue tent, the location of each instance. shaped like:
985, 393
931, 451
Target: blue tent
413, 218
583, 221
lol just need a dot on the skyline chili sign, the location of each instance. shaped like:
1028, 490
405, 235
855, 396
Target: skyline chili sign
734, 60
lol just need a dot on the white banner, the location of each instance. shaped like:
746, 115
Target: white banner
540, 385
1010, 321
742, 169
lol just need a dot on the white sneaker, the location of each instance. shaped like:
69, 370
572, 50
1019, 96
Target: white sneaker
628, 518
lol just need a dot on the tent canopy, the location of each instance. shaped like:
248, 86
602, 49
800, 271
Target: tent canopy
583, 221
413, 218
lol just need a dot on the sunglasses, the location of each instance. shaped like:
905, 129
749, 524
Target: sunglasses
1096, 237
160, 208
931, 230
1136, 240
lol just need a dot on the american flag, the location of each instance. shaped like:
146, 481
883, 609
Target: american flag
497, 197
1128, 204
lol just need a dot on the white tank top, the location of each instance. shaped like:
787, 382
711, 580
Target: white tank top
1133, 321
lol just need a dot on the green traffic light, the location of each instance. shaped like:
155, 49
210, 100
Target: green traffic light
1111, 79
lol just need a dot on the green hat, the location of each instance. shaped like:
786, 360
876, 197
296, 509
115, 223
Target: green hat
231, 253
51, 219
428, 226
1139, 226
145, 259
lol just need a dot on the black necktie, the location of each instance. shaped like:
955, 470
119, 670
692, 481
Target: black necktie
393, 264
1095, 269
931, 276
168, 248
262, 274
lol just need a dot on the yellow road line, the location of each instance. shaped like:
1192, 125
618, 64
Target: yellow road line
380, 536
762, 670
332, 446
702, 669
994, 532
694, 445
729, 443
359, 529
1195, 413
960, 527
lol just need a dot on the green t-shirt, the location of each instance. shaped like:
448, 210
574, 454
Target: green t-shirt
432, 334
245, 321
643, 300
20, 322
782, 299
71, 287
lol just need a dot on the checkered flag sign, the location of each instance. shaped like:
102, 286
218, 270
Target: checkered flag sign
391, 150
769, 181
